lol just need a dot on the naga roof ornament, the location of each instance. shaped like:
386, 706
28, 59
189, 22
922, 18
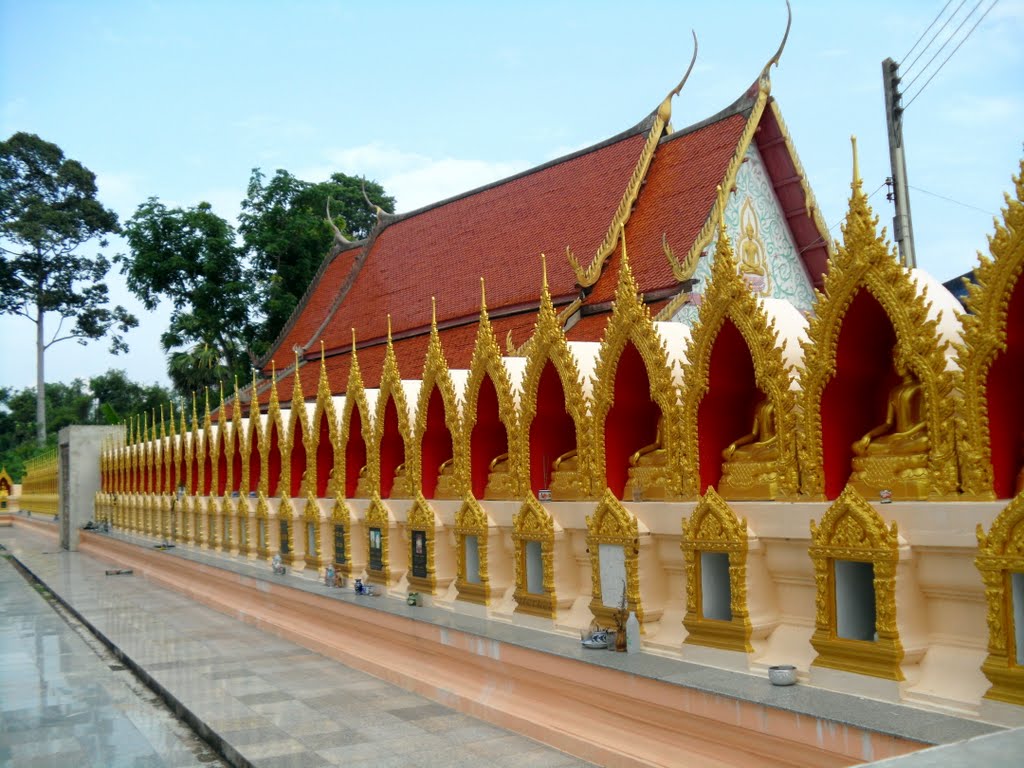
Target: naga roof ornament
587, 276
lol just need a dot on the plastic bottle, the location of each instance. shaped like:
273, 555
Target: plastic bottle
632, 633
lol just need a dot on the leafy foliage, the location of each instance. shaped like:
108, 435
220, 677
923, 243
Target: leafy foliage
105, 399
48, 210
287, 235
190, 257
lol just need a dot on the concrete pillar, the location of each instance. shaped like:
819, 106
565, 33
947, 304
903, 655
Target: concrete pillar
78, 477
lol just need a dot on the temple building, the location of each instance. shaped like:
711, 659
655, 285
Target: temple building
642, 374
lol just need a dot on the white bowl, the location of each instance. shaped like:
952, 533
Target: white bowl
782, 674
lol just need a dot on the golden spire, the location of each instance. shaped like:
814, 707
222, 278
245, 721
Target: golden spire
298, 396
323, 386
354, 365
274, 403
254, 403
546, 304
236, 405
181, 414
627, 283
856, 183
195, 414
163, 432
389, 329
483, 295
433, 314
860, 229
321, 352
206, 408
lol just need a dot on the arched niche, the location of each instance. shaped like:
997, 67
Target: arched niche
490, 421
553, 412
855, 556
633, 395
286, 529
472, 531
613, 539
356, 434
393, 432
208, 441
273, 456
1001, 563
324, 435
874, 358
437, 426
738, 404
383, 564
341, 538
295, 453
533, 538
714, 544
313, 542
991, 417
238, 456
194, 459
254, 436
421, 524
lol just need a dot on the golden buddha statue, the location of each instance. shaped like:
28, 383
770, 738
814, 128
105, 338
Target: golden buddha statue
749, 467
447, 483
401, 488
753, 262
499, 479
648, 470
565, 477
750, 252
894, 455
363, 490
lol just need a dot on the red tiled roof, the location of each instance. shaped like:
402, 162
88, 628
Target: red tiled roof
458, 344
498, 233
679, 193
318, 303
591, 327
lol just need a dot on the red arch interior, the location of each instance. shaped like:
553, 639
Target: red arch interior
273, 459
392, 448
173, 471
632, 421
1005, 401
236, 462
552, 432
297, 461
207, 467
437, 444
324, 456
355, 452
222, 462
854, 401
727, 410
489, 438
194, 485
254, 459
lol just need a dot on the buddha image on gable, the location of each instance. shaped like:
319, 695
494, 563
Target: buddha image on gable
753, 259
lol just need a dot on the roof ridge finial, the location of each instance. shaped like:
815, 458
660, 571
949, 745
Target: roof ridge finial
720, 194
665, 110
778, 54
339, 238
856, 183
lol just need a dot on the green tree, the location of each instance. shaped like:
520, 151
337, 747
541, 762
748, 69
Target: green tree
287, 234
116, 397
48, 210
190, 257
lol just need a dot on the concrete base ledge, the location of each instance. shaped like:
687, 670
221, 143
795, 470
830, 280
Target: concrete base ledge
608, 716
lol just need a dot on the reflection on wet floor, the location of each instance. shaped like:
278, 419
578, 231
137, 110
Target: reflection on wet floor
66, 701
275, 703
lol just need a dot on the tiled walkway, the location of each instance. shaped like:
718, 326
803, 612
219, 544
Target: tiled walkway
275, 703
64, 700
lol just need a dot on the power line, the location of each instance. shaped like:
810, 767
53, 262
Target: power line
821, 240
926, 31
971, 30
951, 200
937, 33
944, 44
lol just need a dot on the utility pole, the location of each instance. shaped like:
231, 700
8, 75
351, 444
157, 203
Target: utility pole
902, 229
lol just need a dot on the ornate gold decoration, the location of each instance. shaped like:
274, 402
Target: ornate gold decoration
851, 529
211, 446
984, 338
342, 515
286, 514
298, 418
355, 397
486, 361
436, 374
533, 523
548, 344
275, 421
255, 426
262, 514
728, 298
630, 322
407, 485
193, 454
612, 524
311, 516
865, 262
714, 527
659, 127
471, 520
1001, 554
753, 257
422, 517
325, 409
377, 516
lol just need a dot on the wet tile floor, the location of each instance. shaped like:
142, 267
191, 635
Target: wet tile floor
66, 701
275, 703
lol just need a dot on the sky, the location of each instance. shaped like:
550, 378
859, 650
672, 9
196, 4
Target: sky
181, 100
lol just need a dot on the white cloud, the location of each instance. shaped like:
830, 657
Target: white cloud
414, 179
